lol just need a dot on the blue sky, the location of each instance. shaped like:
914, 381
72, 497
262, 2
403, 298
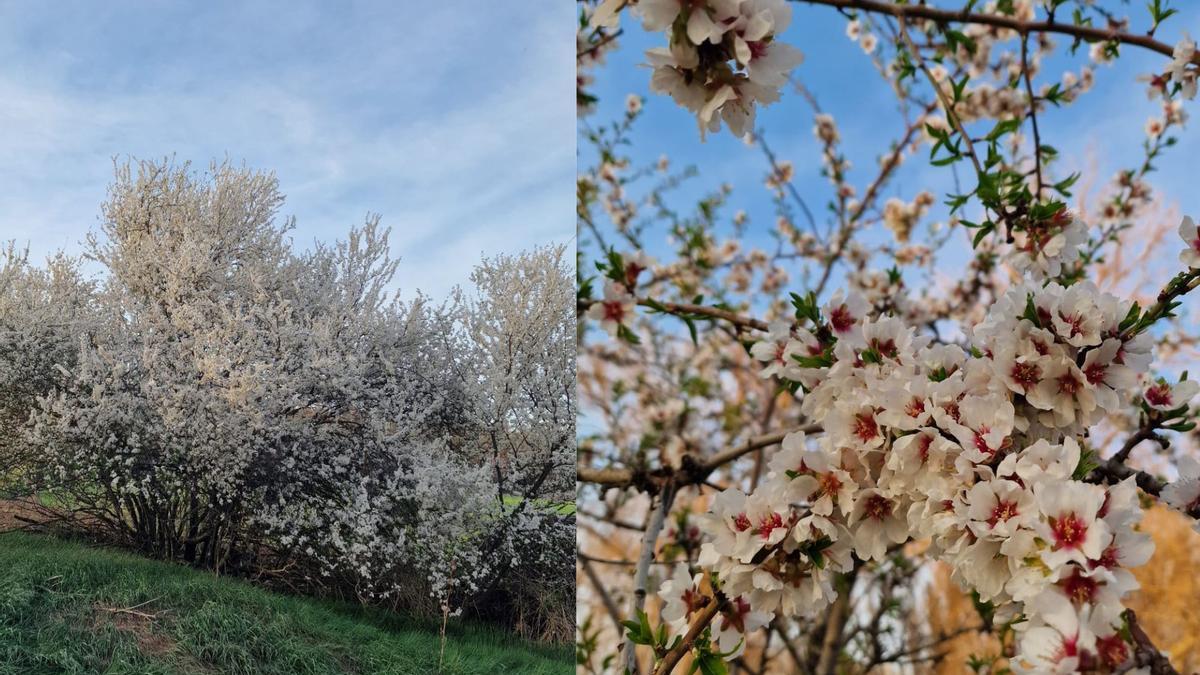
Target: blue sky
454, 120
1105, 126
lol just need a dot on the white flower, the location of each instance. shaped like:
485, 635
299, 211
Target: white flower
1165, 397
1154, 127
1108, 379
877, 521
995, 509
853, 29
770, 62
1072, 528
868, 42
668, 78
1042, 461
607, 14
1064, 393
1019, 362
776, 350
920, 461
1182, 56
681, 596
1057, 639
658, 15
1190, 255
984, 427
855, 427
1044, 248
845, 313
636, 262
1183, 494
614, 310
737, 620
1076, 316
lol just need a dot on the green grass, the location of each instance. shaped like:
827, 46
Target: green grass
55, 598
562, 509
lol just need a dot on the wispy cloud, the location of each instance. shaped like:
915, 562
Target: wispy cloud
455, 121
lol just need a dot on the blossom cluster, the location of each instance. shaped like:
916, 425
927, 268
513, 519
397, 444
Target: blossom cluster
722, 58
980, 451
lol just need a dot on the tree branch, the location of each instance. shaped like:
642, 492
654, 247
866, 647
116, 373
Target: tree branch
1144, 651
643, 568
943, 16
703, 618
690, 471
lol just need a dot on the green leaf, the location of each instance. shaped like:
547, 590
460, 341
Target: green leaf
711, 664
984, 231
1088, 461
1003, 127
1031, 313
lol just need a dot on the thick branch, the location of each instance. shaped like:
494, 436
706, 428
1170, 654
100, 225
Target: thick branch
1111, 471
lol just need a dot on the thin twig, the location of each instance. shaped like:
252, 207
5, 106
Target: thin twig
643, 568
943, 16
1037, 139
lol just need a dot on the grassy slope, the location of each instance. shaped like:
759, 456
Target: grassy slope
52, 620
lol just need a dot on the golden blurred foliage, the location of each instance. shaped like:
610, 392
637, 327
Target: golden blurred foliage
1168, 604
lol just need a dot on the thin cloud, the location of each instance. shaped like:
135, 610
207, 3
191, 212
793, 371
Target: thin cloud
455, 123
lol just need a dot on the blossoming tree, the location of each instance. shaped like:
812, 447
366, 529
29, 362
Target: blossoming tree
218, 397
794, 435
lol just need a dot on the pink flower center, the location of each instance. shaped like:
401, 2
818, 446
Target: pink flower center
829, 484
1075, 321
1095, 373
1025, 374
877, 507
768, 524
885, 348
780, 349
915, 407
981, 442
735, 615
741, 523
841, 319
923, 447
865, 428
1002, 511
1069, 531
1108, 560
1159, 394
1079, 588
693, 600
952, 410
757, 50
1112, 650
1069, 384
613, 311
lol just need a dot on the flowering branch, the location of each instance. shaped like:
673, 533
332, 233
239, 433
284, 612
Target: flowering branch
701, 621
